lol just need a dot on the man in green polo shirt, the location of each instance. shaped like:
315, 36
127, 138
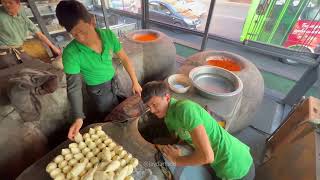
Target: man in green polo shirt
14, 28
90, 55
229, 157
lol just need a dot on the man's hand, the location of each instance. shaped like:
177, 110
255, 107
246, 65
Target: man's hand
136, 88
56, 50
171, 152
75, 127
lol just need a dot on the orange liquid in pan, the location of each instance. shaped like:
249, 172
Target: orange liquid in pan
145, 37
225, 64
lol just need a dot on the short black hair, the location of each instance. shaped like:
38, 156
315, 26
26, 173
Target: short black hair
70, 12
154, 88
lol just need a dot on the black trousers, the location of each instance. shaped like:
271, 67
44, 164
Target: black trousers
104, 97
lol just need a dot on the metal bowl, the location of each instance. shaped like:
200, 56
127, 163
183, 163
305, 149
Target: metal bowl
179, 83
214, 82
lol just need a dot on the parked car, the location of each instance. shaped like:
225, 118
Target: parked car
168, 13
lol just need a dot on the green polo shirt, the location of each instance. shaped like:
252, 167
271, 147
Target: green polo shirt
14, 29
232, 158
95, 68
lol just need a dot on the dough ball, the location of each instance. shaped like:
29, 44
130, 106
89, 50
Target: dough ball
73, 145
87, 140
78, 156
130, 169
134, 162
54, 173
84, 160
113, 166
75, 150
101, 146
82, 145
77, 169
98, 141
121, 153
68, 157
113, 153
118, 148
91, 145
51, 166
107, 141
98, 128
129, 178
100, 133
95, 151
66, 169
116, 157
60, 177
85, 151
89, 165
104, 137
92, 131
94, 160
65, 151
89, 155
112, 145
58, 159
62, 164
86, 135
122, 162
106, 155
72, 162
128, 157
94, 137
78, 137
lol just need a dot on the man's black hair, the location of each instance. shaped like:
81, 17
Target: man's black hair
154, 88
70, 12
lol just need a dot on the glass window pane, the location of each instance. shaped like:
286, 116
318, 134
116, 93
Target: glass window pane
292, 24
126, 5
190, 14
188, 39
116, 19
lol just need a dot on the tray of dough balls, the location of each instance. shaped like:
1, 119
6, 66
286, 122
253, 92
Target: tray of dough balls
93, 156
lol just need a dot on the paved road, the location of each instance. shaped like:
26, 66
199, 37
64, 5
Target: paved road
227, 20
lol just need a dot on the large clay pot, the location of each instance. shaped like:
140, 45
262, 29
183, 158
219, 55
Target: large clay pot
253, 85
153, 54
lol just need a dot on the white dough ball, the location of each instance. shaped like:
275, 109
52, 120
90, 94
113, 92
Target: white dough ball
65, 151
62, 164
68, 157
73, 145
58, 159
51, 166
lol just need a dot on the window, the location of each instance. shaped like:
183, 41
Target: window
164, 9
292, 24
153, 6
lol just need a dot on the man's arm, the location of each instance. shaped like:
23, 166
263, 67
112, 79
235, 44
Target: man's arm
203, 153
129, 68
45, 40
74, 90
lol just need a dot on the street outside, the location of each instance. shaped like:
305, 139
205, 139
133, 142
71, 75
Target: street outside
228, 18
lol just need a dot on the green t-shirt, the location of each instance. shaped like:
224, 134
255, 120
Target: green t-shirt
14, 29
95, 68
232, 158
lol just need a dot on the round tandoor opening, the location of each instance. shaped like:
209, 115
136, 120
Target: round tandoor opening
145, 36
225, 63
